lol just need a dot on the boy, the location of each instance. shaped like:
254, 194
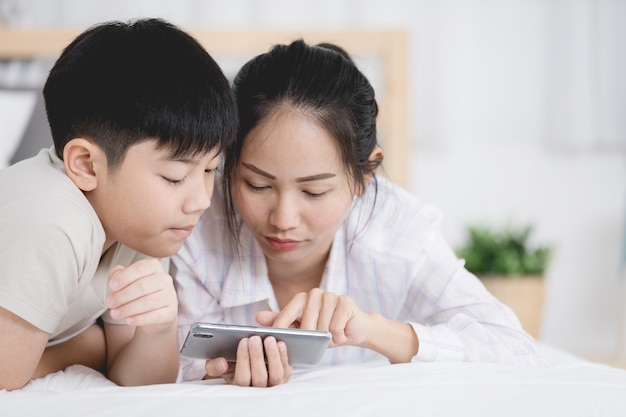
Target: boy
139, 113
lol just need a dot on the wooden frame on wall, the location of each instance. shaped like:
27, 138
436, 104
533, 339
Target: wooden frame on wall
389, 49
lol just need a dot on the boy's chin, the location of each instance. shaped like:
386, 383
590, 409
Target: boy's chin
163, 251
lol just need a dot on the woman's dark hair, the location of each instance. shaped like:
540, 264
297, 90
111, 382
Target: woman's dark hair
122, 83
321, 81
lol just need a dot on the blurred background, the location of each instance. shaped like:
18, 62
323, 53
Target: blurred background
517, 114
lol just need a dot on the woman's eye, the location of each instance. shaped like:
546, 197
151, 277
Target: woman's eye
256, 187
314, 195
174, 182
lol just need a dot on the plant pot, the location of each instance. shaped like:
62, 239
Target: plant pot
524, 294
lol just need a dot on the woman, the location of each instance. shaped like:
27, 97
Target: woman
319, 241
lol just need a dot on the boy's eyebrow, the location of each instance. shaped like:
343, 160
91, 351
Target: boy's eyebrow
301, 179
183, 160
186, 159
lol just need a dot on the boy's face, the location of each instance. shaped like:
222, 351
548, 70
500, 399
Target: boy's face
151, 202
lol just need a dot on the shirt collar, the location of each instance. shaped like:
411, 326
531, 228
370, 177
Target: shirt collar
247, 280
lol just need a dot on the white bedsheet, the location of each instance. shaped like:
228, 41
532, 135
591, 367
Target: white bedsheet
569, 387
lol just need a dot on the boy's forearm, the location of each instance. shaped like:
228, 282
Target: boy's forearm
147, 359
21, 348
87, 348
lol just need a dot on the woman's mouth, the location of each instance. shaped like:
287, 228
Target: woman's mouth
281, 244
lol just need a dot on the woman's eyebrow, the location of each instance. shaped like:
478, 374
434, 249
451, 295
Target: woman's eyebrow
316, 177
301, 179
258, 171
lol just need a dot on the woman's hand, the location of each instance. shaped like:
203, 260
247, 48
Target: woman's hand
348, 325
251, 368
320, 310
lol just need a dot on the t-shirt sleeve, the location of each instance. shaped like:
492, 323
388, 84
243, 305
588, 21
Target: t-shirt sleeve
41, 265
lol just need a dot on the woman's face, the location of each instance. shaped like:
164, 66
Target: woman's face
291, 187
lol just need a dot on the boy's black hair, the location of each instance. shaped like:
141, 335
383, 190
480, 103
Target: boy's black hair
122, 83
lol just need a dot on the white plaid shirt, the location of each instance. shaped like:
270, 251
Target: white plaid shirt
395, 264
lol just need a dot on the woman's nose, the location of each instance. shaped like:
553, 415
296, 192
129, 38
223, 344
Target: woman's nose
285, 214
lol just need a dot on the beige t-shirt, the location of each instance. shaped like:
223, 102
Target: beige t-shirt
51, 271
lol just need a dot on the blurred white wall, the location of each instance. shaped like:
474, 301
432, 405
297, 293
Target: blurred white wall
518, 114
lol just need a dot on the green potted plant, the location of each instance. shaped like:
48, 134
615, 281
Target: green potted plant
511, 268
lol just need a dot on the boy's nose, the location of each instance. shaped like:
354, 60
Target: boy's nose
200, 198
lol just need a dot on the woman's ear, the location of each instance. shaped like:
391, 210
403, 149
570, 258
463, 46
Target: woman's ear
374, 161
81, 158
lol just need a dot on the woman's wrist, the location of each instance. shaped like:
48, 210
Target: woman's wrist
397, 341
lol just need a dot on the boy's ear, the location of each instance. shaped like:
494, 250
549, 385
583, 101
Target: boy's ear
81, 158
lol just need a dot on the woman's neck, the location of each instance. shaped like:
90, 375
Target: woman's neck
288, 279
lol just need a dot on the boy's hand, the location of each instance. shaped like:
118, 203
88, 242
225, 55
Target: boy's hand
320, 310
143, 295
250, 368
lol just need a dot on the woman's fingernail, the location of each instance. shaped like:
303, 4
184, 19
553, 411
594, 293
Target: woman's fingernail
255, 342
270, 343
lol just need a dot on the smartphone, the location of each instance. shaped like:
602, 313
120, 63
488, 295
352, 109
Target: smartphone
212, 340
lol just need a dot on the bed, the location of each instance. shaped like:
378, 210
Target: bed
569, 387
